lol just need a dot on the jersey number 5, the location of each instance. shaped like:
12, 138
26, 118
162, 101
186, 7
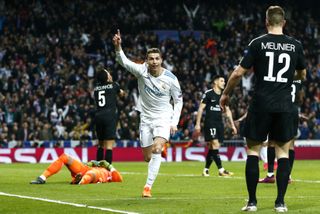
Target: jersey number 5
101, 98
283, 58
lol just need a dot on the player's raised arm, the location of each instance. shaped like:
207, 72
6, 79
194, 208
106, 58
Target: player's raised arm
121, 58
117, 40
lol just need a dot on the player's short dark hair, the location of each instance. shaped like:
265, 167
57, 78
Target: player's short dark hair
154, 50
275, 15
101, 77
216, 77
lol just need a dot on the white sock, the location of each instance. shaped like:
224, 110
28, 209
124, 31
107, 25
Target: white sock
43, 177
153, 169
270, 174
263, 154
221, 170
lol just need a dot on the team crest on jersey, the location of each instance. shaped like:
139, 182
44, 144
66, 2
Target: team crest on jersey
163, 86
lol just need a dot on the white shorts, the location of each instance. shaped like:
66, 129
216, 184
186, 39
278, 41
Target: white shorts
149, 131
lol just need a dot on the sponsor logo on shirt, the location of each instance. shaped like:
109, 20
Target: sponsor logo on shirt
215, 108
153, 90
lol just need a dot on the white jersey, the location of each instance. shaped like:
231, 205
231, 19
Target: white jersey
155, 92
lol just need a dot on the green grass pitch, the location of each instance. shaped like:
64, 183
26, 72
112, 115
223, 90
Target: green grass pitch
179, 188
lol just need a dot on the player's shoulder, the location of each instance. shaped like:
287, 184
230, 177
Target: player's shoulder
143, 69
116, 84
293, 40
169, 74
257, 39
206, 94
209, 91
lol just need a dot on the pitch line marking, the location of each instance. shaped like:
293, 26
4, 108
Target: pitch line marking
66, 203
219, 177
188, 198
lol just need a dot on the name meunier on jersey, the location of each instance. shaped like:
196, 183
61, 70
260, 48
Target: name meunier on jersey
278, 46
105, 96
213, 110
274, 59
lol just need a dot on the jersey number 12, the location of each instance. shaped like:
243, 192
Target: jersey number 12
283, 58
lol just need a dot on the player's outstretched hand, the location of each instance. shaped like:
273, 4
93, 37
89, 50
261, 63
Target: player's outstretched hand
117, 40
173, 129
234, 130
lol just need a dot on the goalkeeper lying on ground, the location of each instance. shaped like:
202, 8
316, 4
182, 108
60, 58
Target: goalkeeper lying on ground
92, 172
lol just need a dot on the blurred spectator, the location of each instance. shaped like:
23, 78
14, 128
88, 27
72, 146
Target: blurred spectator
304, 131
46, 132
247, 82
3, 141
13, 141
23, 132
178, 135
317, 132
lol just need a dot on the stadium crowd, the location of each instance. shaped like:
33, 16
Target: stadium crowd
50, 51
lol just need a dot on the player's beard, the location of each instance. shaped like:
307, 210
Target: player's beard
154, 70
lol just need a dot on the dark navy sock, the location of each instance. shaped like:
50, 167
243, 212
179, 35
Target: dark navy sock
252, 177
282, 177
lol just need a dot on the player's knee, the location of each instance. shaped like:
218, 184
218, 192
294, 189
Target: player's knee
64, 158
147, 159
214, 145
156, 150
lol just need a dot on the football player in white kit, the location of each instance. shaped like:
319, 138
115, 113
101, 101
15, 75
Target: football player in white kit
158, 117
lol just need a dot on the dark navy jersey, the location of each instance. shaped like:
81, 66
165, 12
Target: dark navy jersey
105, 96
213, 110
274, 59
